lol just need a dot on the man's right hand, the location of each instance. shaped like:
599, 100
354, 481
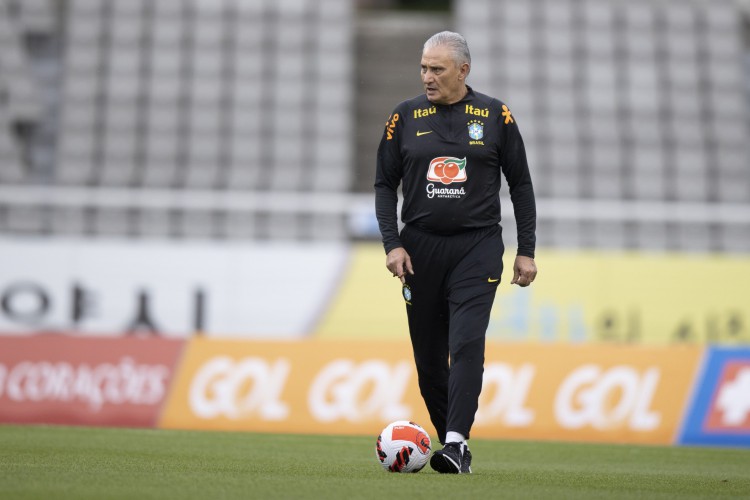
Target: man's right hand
398, 263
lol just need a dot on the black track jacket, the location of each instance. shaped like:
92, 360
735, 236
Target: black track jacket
449, 159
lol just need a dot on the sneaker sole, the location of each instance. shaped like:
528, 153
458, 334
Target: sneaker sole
444, 464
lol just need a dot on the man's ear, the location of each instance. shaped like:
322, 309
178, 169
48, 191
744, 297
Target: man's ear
464, 71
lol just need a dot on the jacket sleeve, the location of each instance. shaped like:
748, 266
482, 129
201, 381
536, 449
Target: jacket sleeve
388, 176
516, 170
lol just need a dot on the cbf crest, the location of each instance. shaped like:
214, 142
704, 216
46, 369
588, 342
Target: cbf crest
476, 132
406, 292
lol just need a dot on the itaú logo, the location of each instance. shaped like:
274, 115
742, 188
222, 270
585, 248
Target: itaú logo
618, 397
370, 390
238, 389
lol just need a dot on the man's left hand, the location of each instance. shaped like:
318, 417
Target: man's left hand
524, 271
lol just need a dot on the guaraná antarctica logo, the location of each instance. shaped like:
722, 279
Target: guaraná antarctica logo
446, 170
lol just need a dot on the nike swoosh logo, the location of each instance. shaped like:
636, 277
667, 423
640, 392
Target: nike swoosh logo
423, 133
490, 280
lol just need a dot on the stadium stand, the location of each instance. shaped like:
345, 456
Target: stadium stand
167, 102
635, 114
19, 102
235, 119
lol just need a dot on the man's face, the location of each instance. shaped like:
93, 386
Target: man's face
443, 80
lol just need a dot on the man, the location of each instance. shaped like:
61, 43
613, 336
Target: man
447, 149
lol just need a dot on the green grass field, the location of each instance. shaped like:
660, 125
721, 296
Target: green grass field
79, 463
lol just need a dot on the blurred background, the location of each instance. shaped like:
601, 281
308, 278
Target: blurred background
256, 120
190, 168
139, 137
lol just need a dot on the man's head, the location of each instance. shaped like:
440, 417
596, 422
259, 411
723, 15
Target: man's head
446, 63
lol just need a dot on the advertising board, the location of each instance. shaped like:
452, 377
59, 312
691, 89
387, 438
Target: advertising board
54, 379
581, 393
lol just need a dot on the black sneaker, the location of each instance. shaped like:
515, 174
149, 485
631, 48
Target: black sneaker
447, 460
466, 461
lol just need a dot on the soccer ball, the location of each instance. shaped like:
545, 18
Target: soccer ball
403, 446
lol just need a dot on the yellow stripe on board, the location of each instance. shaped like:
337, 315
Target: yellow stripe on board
579, 296
369, 303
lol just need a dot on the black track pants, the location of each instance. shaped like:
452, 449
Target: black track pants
448, 304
